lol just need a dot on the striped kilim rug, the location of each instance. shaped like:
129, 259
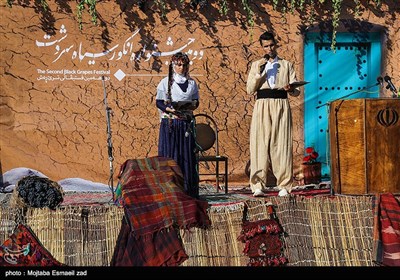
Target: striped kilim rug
243, 193
87, 198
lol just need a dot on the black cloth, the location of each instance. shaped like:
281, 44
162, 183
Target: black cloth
271, 93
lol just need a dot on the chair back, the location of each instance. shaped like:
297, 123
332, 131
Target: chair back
206, 137
206, 133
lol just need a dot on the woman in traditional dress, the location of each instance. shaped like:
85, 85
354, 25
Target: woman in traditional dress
177, 97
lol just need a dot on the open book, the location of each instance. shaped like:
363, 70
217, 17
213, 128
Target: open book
298, 84
184, 105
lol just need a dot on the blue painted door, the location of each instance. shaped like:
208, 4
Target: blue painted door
349, 72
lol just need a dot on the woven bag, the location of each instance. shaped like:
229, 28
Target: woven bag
37, 192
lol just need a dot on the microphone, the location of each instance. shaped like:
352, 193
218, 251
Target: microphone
380, 81
390, 85
262, 66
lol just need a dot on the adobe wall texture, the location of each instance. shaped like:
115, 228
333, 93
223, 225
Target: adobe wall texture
53, 117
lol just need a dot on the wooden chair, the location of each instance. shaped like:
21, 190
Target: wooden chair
206, 136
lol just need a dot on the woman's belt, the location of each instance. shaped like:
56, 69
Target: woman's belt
271, 93
170, 116
184, 116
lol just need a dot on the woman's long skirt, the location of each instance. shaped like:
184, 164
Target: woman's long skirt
176, 141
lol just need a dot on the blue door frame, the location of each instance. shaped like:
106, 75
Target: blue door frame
349, 72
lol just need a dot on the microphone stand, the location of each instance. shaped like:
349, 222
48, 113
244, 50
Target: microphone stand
109, 143
354, 92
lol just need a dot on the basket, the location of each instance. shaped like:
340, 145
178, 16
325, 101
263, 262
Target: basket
37, 192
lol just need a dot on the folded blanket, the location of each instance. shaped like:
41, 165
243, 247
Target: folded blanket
387, 229
163, 248
153, 197
156, 207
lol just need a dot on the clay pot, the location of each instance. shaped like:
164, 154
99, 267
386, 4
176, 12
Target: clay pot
312, 173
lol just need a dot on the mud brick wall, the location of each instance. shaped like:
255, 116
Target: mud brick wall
53, 116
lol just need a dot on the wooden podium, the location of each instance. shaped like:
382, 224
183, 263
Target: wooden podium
365, 145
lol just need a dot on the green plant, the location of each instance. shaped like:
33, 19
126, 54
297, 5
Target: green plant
92, 11
223, 7
44, 4
249, 13
283, 6
163, 8
336, 4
